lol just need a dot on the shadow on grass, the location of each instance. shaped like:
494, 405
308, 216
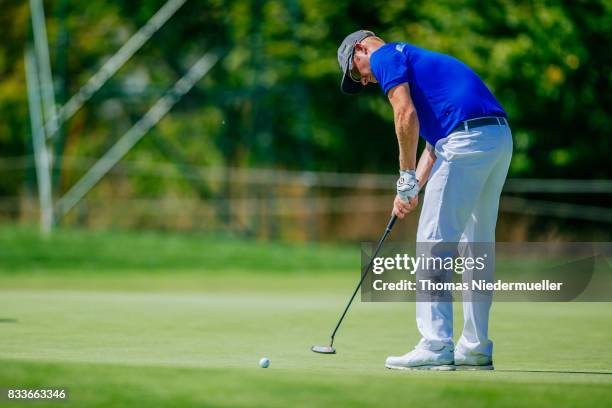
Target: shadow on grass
554, 371
7, 320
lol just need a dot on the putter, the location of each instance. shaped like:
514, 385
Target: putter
330, 349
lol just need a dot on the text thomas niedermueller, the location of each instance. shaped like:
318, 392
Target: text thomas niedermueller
476, 285
458, 264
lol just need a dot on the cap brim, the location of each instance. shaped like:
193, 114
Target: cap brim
348, 86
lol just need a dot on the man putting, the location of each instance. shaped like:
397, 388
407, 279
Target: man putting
466, 159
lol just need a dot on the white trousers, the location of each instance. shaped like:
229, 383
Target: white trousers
460, 205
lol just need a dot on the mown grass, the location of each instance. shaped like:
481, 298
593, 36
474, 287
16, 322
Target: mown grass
138, 319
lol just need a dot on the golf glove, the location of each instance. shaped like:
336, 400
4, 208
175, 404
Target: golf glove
407, 185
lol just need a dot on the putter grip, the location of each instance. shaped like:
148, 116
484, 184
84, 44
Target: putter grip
391, 222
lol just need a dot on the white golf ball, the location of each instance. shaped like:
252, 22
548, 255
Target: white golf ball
264, 362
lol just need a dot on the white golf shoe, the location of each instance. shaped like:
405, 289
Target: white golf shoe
423, 359
473, 361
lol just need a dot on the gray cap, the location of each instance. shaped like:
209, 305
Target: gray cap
345, 59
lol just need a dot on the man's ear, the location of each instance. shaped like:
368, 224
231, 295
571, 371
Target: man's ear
360, 48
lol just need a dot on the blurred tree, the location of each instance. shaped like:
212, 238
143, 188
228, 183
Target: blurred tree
274, 99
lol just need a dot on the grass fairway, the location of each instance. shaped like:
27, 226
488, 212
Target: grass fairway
126, 319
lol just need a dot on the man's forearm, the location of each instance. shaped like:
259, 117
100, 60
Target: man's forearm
407, 130
426, 162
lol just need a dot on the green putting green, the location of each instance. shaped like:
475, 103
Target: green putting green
121, 319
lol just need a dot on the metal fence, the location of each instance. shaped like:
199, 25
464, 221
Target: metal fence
276, 203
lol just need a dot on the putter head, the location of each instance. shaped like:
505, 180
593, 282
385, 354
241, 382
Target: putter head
323, 349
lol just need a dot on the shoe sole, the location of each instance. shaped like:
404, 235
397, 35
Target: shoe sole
443, 367
475, 367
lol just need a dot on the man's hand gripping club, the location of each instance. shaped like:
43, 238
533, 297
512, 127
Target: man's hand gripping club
407, 196
407, 130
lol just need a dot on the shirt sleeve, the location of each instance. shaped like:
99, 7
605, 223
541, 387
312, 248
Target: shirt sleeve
390, 68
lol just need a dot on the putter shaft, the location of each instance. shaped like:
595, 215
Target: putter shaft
363, 275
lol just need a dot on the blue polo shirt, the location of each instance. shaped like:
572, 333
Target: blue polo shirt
444, 90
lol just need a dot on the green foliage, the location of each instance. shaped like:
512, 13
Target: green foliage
274, 98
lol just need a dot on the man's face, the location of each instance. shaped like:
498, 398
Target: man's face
362, 72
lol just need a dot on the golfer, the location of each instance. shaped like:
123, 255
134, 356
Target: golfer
466, 160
